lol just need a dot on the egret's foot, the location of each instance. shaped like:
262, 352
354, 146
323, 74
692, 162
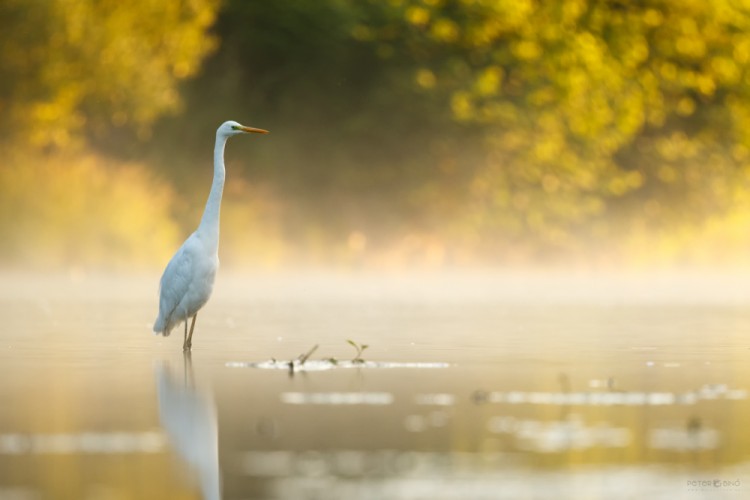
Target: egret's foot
186, 347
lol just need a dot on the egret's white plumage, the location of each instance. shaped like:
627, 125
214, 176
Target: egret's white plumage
188, 280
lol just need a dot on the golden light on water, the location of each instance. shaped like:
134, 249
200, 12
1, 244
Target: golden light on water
548, 378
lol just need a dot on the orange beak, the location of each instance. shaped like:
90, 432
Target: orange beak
251, 130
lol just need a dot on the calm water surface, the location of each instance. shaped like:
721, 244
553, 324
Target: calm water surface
479, 385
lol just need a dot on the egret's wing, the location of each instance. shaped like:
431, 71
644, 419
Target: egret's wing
174, 285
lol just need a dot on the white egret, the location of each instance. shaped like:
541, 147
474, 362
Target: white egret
188, 280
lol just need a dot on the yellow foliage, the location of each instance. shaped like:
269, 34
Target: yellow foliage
76, 64
425, 78
488, 82
575, 121
445, 30
418, 15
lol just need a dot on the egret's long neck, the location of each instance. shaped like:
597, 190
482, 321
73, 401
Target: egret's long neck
209, 226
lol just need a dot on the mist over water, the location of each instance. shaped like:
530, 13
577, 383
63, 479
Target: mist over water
486, 384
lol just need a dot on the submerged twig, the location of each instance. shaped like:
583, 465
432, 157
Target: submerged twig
298, 364
303, 357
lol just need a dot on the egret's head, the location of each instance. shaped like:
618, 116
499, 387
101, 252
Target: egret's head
231, 128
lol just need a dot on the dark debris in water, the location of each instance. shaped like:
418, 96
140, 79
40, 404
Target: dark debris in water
303, 363
317, 365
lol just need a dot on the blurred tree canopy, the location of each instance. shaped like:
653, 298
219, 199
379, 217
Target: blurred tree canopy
73, 67
408, 131
494, 129
72, 72
597, 114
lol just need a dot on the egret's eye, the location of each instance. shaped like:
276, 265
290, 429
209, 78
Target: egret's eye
235, 127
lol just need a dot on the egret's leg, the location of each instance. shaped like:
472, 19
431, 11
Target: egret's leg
185, 346
190, 335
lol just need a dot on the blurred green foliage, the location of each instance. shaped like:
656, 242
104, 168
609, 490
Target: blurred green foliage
73, 73
599, 117
74, 67
406, 131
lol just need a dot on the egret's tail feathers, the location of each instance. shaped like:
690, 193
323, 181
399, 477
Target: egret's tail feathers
160, 327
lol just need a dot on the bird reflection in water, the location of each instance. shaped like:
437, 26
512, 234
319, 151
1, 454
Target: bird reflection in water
189, 418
